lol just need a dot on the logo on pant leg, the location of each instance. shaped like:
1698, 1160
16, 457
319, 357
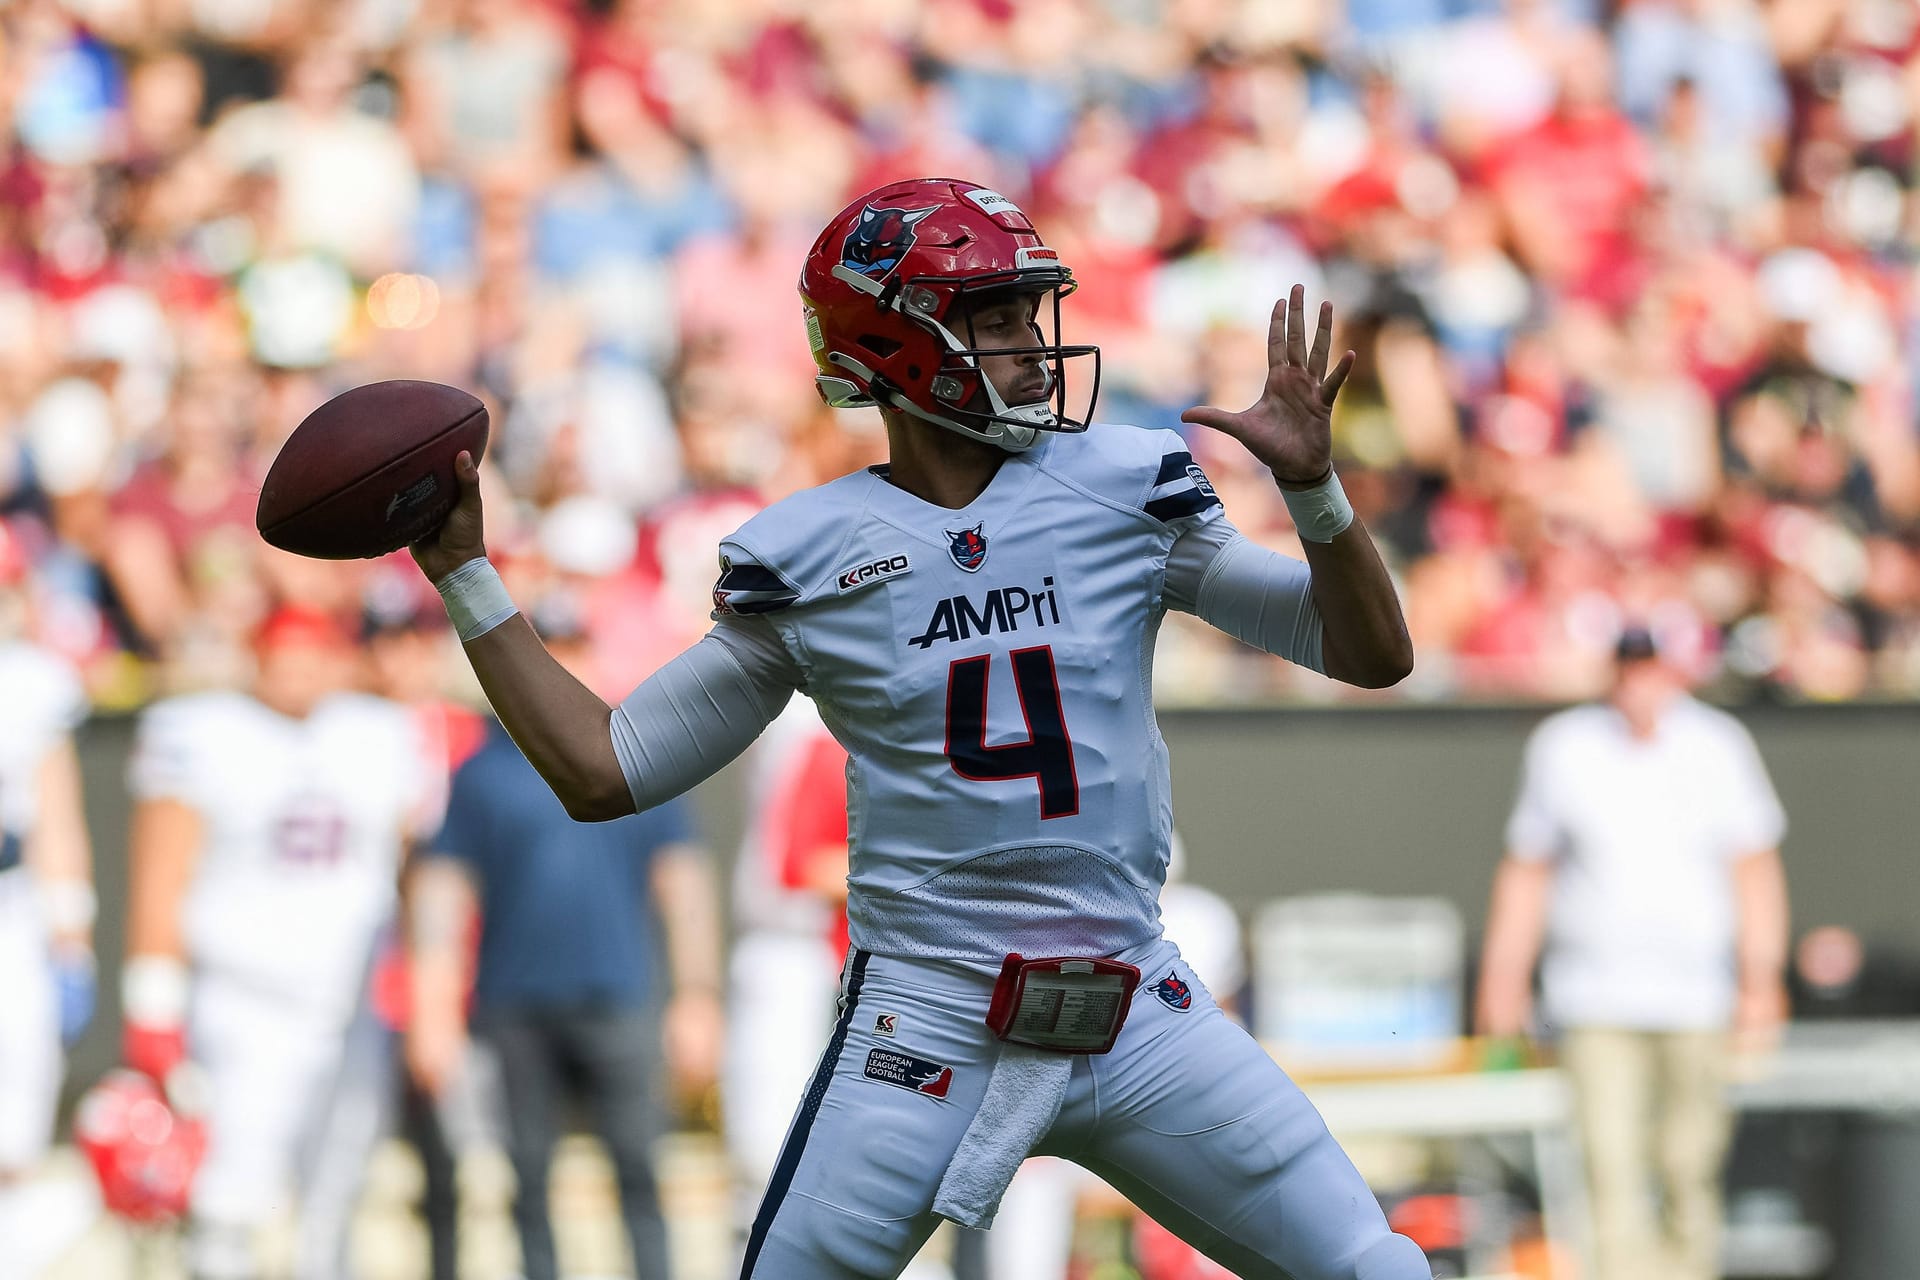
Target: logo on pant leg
1174, 993
908, 1072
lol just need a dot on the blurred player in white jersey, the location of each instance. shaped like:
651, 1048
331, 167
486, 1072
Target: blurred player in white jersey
975, 621
46, 906
267, 836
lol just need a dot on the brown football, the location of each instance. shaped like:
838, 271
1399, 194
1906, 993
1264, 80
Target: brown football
371, 470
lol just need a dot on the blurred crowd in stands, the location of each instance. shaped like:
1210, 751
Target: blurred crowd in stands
1631, 285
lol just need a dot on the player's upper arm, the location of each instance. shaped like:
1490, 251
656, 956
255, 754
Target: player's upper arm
698, 712
1257, 596
57, 844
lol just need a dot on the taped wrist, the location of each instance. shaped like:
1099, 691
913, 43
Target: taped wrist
153, 991
476, 598
68, 906
1321, 513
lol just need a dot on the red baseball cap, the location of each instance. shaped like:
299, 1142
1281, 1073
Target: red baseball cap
293, 624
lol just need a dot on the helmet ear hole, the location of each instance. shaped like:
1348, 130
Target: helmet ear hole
879, 344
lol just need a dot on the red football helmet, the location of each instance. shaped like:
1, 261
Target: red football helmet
144, 1152
890, 288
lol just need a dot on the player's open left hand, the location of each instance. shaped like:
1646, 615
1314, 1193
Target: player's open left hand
1290, 427
460, 537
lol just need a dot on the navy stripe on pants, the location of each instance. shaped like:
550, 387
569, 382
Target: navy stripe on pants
809, 1109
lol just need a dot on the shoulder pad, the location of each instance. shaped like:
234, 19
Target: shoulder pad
1149, 470
786, 554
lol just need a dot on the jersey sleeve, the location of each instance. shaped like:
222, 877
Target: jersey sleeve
168, 747
1754, 820
1180, 494
66, 698
1535, 831
748, 587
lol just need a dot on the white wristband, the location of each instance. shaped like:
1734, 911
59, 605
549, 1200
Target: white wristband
68, 906
476, 599
1321, 513
153, 991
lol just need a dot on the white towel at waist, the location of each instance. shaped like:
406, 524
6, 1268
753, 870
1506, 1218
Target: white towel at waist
1023, 1097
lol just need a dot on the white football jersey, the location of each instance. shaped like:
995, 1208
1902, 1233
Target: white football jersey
41, 700
304, 826
989, 670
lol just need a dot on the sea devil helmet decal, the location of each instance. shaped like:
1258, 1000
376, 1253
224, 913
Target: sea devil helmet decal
881, 238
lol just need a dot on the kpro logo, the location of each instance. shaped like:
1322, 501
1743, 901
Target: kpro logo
862, 575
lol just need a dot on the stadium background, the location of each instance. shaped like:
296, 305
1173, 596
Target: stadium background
1632, 284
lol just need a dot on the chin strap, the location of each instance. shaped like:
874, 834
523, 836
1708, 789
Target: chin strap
1001, 435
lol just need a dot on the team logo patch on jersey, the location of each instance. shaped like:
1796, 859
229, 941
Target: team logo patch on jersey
880, 239
905, 1071
1174, 993
968, 547
864, 575
886, 1024
1200, 481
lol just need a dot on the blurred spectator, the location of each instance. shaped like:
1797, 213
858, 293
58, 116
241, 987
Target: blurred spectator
46, 919
1641, 286
565, 991
1644, 850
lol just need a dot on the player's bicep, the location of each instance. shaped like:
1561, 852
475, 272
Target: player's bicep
1257, 596
164, 850
694, 715
57, 846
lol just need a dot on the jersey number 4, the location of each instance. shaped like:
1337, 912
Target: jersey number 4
1047, 754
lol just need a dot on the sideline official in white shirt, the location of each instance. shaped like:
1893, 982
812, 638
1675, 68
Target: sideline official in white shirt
1643, 853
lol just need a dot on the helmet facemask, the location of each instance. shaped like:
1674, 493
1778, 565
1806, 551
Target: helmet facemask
963, 398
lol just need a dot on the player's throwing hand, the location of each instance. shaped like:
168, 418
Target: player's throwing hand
461, 535
1289, 428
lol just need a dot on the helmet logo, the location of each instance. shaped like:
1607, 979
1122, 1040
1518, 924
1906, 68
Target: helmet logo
968, 547
880, 239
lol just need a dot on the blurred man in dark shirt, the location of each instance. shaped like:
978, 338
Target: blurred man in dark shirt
565, 989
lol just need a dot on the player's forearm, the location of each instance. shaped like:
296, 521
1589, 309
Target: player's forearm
558, 723
59, 851
165, 846
1516, 922
1365, 639
1760, 897
440, 906
690, 913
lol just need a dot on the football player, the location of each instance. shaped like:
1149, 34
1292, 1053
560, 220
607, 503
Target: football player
267, 834
975, 622
46, 905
